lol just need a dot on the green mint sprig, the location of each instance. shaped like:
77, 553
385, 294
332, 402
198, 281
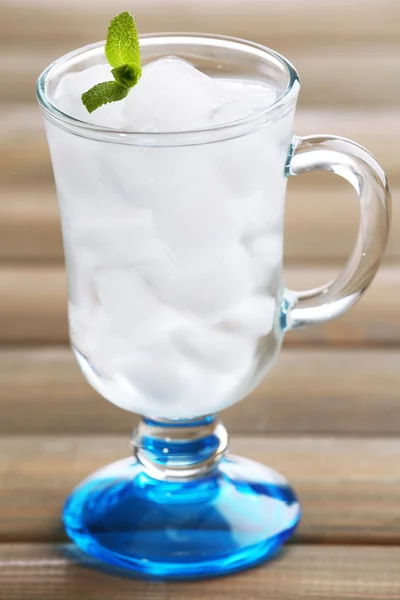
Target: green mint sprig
123, 54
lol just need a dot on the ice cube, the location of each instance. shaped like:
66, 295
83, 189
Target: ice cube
160, 375
254, 161
177, 183
164, 381
123, 236
254, 317
81, 290
70, 89
206, 285
243, 162
229, 111
147, 176
216, 349
76, 83
79, 322
83, 188
93, 335
198, 218
131, 307
171, 95
261, 210
266, 258
254, 95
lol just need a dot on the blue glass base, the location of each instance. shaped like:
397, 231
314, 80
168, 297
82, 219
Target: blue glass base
232, 518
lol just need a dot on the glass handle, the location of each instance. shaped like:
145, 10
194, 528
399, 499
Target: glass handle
351, 161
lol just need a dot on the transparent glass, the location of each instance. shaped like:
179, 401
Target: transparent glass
177, 305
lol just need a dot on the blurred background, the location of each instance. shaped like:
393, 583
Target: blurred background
341, 378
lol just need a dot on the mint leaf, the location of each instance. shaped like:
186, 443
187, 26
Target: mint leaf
123, 53
126, 75
103, 93
122, 45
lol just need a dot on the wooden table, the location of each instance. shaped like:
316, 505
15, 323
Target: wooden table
346, 545
328, 417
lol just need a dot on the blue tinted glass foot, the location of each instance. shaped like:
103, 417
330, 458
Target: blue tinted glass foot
232, 518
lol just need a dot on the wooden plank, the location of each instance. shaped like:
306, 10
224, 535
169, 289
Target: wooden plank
33, 304
33, 307
24, 155
60, 572
340, 392
349, 488
25, 158
373, 320
45, 22
30, 224
330, 76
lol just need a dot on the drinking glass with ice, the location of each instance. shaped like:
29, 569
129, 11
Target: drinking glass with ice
172, 209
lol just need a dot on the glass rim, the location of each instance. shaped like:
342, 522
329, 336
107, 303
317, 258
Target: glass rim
233, 129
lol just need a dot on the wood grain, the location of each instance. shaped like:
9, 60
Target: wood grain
374, 320
349, 488
265, 21
33, 304
326, 386
331, 75
30, 223
25, 158
307, 392
59, 572
33, 307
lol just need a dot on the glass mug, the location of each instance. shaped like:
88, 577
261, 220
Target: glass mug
177, 307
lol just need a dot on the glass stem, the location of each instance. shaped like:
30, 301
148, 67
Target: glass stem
179, 450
